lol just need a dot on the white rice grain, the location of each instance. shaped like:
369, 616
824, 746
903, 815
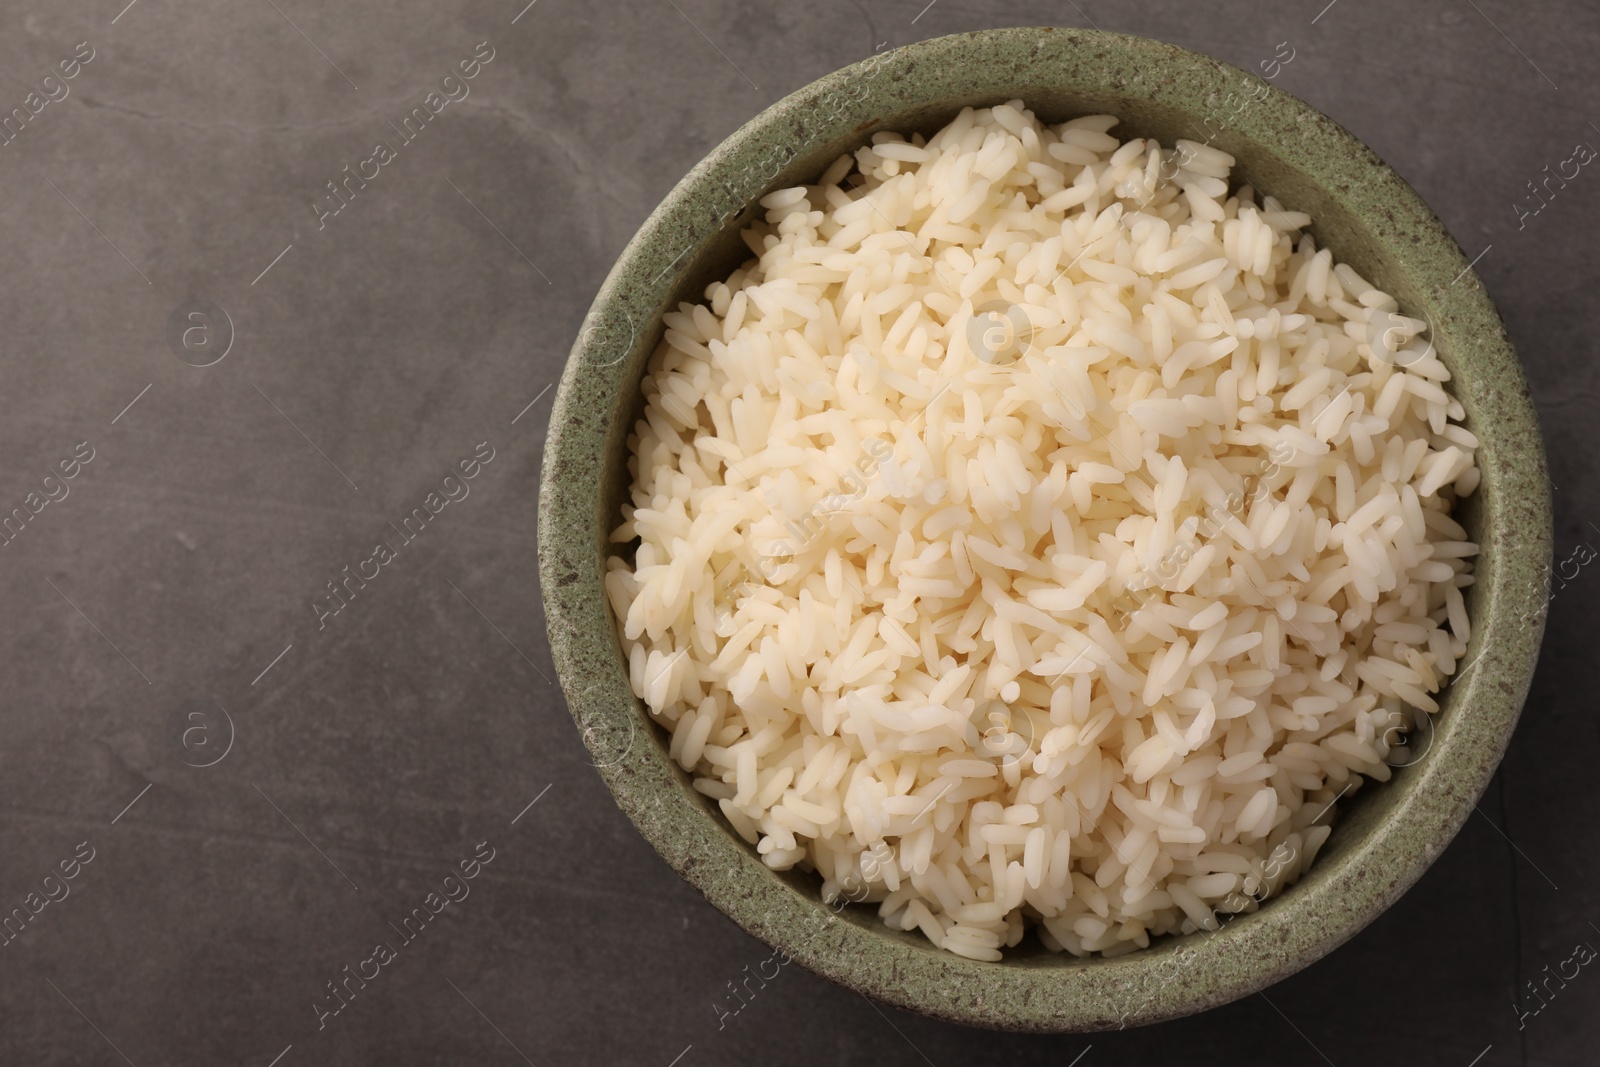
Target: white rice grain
1028, 532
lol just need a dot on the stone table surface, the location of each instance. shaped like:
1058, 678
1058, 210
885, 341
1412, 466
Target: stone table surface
250, 788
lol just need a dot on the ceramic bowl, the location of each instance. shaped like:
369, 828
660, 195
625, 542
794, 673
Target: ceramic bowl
1384, 838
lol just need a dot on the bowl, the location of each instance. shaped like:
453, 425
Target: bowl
1384, 838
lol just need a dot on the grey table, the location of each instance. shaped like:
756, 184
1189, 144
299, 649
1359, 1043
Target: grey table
252, 790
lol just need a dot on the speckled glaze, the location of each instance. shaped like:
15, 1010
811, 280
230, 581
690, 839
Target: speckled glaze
1384, 839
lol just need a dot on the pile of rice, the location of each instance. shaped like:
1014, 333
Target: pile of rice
1034, 533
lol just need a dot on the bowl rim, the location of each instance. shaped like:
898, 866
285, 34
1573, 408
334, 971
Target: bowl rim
1330, 903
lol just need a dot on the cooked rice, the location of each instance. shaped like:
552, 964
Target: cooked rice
1037, 533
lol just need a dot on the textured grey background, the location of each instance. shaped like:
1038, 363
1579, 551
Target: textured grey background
378, 751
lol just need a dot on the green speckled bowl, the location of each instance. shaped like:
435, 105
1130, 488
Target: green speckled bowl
1372, 219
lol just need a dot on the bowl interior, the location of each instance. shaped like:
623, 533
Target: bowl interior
1384, 837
